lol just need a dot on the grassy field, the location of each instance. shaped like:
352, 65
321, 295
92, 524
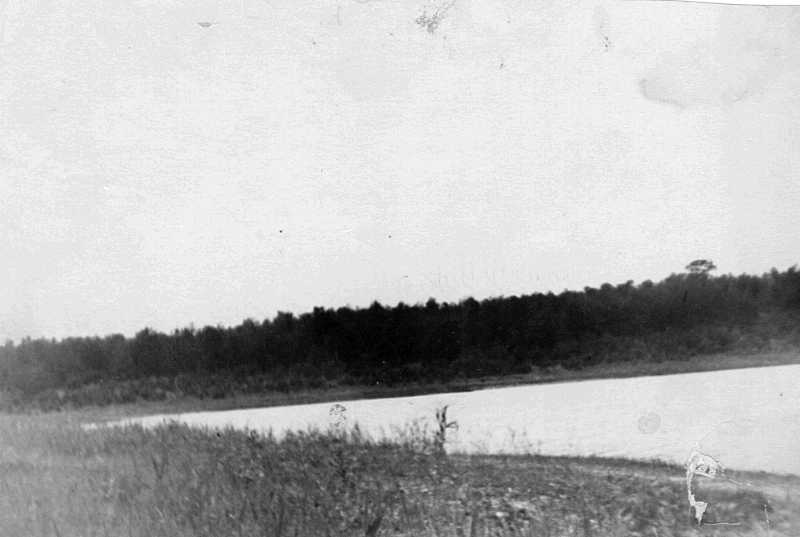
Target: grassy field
59, 480
177, 401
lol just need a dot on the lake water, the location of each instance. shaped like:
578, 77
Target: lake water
748, 419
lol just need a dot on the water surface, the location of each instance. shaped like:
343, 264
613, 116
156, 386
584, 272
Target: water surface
748, 419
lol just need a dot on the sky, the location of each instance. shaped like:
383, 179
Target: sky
167, 162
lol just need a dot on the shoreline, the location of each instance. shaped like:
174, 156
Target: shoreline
618, 370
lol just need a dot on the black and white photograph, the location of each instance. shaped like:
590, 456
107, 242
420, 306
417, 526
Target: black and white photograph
399, 268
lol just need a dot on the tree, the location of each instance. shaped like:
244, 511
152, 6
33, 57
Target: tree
701, 266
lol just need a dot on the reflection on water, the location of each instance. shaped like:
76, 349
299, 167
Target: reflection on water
747, 419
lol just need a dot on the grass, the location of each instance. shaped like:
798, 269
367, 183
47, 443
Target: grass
177, 401
59, 480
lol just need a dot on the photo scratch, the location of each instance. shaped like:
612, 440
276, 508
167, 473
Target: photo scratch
700, 464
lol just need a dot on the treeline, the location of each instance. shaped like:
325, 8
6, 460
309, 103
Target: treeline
683, 315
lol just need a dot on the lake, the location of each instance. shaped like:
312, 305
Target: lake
748, 419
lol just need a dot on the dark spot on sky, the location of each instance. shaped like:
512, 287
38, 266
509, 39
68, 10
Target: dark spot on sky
431, 21
205, 24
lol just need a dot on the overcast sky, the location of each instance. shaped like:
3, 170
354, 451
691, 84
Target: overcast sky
159, 172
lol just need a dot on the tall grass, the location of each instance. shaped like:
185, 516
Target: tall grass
59, 480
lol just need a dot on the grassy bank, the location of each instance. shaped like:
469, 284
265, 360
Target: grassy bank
210, 392
58, 480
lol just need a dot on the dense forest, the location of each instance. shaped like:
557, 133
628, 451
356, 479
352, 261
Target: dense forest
684, 315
